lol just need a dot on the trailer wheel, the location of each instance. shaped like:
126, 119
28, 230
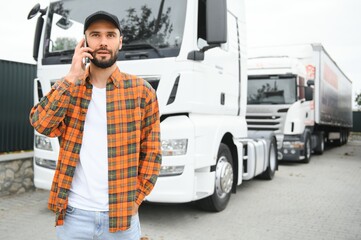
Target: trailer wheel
342, 137
223, 182
307, 149
346, 136
320, 143
269, 173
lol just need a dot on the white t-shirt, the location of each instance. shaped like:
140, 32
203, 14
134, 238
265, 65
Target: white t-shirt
89, 189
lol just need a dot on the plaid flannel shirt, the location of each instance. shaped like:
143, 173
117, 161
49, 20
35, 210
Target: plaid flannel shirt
134, 155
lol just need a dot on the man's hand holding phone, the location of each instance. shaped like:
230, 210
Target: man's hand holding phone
78, 64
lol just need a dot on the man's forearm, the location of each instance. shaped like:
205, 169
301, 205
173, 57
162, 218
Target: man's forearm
48, 115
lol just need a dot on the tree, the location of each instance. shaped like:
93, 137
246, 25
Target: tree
358, 100
140, 26
64, 43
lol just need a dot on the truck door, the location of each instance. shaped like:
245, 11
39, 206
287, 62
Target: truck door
220, 70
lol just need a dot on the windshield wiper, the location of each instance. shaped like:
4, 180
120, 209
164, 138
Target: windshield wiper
65, 55
61, 53
269, 102
139, 46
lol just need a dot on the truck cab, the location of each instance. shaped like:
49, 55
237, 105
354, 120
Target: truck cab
276, 101
193, 54
299, 92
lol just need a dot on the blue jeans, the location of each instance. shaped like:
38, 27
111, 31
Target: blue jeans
81, 224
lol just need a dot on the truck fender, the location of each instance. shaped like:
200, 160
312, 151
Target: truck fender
267, 136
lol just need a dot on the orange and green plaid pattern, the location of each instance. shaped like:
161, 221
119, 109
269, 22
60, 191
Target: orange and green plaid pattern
134, 155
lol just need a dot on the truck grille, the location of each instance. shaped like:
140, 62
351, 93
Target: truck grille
265, 122
154, 81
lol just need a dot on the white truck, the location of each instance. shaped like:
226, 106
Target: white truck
193, 53
301, 94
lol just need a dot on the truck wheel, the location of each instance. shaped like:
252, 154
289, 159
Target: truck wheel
272, 161
346, 136
307, 149
320, 143
223, 182
340, 141
342, 137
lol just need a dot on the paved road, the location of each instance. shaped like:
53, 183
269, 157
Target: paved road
319, 200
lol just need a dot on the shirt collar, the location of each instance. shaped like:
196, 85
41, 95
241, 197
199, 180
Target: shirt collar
116, 77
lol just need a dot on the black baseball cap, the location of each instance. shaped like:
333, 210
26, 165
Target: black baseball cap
101, 15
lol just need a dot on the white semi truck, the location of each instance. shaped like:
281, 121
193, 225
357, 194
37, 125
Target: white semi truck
193, 53
301, 94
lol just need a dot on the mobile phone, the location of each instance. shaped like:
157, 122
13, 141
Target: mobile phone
86, 59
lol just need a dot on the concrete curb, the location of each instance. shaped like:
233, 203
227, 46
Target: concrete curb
16, 156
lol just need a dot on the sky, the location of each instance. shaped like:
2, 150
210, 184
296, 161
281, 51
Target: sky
335, 24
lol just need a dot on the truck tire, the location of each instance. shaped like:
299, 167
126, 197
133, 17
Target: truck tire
223, 182
342, 137
269, 173
341, 140
346, 136
307, 149
320, 143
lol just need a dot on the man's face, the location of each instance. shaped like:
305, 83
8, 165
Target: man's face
104, 38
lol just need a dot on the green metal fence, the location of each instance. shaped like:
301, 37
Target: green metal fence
356, 122
16, 100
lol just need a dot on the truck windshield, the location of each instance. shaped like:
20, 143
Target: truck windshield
153, 26
271, 90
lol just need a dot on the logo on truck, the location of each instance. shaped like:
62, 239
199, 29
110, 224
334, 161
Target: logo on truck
311, 72
330, 76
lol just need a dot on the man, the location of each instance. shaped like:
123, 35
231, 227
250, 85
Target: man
108, 126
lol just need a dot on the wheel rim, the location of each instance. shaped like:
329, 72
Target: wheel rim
224, 177
308, 149
322, 144
272, 158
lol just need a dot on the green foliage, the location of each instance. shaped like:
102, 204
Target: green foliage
64, 43
358, 100
140, 26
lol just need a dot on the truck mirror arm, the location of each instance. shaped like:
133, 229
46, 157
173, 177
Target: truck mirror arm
206, 48
198, 55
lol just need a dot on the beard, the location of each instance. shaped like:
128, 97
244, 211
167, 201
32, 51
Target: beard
100, 63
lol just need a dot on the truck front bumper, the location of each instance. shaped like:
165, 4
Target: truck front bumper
292, 148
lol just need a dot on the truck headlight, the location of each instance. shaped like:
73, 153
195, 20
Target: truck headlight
43, 143
171, 171
174, 147
293, 145
46, 163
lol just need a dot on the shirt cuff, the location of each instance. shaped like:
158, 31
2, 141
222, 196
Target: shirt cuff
63, 85
140, 197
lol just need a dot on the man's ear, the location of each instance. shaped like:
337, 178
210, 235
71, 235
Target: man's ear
120, 42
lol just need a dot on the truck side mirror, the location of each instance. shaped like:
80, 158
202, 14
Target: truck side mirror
310, 83
216, 18
216, 28
37, 36
34, 11
39, 27
308, 93
64, 23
